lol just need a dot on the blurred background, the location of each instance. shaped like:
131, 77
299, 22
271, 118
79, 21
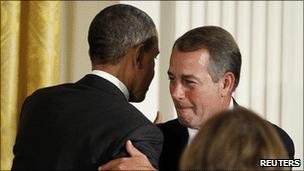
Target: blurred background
44, 43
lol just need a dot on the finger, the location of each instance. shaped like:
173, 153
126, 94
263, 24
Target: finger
158, 118
110, 165
132, 150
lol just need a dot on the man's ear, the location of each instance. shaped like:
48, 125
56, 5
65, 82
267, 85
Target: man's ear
227, 83
139, 56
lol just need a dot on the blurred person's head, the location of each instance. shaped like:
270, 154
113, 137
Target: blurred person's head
204, 70
123, 40
233, 140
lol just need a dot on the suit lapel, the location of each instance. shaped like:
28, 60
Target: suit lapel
183, 134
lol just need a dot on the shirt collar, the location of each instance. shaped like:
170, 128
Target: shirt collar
192, 132
231, 105
120, 85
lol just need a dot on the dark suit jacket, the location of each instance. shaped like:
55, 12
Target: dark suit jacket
80, 126
176, 138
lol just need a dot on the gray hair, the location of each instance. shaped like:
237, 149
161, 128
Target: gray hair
225, 55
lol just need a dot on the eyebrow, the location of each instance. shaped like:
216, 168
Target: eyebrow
191, 76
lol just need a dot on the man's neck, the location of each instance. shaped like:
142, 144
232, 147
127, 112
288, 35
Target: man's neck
116, 70
231, 104
227, 103
111, 78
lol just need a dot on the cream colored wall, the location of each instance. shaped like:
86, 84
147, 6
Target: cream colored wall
270, 36
76, 18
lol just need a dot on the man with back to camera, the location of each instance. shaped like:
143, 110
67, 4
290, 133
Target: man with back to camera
204, 70
84, 124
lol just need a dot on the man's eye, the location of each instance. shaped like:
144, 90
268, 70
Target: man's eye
190, 82
170, 78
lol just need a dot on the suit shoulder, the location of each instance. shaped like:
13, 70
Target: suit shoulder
287, 141
46, 91
133, 114
52, 88
127, 115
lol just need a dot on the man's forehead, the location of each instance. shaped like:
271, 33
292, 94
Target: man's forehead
189, 64
198, 56
185, 61
186, 70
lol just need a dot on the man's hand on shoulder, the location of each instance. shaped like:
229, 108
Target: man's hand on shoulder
158, 119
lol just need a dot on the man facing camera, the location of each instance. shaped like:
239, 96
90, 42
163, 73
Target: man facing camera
204, 71
84, 124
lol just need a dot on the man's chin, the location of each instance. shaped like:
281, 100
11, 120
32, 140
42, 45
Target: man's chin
184, 121
137, 99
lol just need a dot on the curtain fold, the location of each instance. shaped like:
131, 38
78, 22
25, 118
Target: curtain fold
30, 42
10, 27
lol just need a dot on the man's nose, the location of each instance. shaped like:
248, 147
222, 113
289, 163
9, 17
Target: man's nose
177, 92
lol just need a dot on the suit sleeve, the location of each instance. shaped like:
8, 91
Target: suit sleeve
146, 138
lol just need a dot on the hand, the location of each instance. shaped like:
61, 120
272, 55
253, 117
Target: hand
158, 118
136, 161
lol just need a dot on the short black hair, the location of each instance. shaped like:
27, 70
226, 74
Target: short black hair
116, 29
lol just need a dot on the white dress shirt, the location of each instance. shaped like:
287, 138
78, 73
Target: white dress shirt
120, 85
192, 132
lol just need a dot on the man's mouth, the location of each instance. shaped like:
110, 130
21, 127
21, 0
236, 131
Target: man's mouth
183, 107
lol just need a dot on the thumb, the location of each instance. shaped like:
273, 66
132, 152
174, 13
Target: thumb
132, 150
158, 118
